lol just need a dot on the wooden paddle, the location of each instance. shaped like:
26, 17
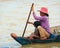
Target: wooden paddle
28, 19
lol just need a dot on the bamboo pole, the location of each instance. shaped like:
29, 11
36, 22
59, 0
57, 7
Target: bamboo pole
27, 20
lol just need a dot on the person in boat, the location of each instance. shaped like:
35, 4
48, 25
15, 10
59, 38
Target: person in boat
42, 28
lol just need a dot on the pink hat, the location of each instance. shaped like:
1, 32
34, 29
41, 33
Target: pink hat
44, 10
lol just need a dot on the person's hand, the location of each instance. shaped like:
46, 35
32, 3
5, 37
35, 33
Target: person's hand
33, 8
30, 22
31, 38
43, 38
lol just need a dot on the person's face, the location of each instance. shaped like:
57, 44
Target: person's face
42, 14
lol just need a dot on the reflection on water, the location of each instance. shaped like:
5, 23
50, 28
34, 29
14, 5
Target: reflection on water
17, 45
49, 45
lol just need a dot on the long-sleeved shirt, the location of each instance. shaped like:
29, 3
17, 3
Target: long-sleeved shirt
44, 22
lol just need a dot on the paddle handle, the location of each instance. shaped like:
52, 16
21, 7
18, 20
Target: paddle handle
27, 20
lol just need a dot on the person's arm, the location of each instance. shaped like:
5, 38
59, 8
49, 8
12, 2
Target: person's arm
39, 17
31, 23
35, 16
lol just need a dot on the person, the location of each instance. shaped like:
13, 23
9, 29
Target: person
42, 24
42, 28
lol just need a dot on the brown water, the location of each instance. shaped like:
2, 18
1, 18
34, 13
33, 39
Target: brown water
48, 45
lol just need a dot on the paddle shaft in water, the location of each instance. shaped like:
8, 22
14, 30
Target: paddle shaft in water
27, 20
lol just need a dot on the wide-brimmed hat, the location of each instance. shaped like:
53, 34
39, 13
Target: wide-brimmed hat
44, 10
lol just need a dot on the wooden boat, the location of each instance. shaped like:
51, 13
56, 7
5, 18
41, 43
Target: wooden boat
25, 41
